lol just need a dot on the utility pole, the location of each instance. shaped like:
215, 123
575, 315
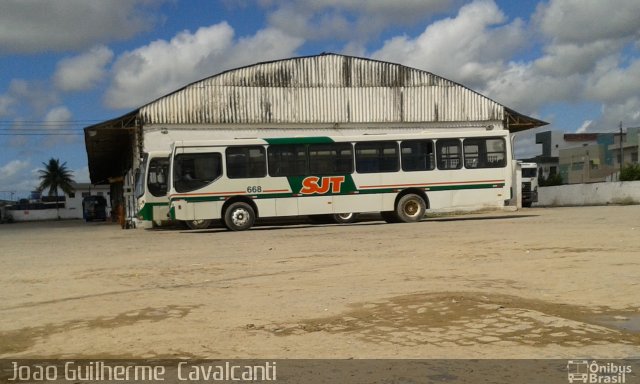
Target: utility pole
621, 152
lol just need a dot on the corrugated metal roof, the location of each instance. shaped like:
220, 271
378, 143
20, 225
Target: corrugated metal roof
328, 88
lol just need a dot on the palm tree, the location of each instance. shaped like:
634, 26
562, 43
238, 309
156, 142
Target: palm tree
56, 176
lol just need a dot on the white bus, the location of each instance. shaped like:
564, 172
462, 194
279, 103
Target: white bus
152, 190
399, 175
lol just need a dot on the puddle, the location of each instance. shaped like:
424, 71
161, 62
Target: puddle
628, 322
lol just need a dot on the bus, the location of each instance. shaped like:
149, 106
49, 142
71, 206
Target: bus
152, 191
399, 175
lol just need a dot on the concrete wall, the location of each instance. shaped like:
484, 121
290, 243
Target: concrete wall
44, 214
624, 192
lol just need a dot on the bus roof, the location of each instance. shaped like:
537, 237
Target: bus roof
330, 139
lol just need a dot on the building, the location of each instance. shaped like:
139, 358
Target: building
323, 94
586, 157
69, 206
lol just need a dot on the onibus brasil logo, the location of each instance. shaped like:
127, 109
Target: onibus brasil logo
585, 371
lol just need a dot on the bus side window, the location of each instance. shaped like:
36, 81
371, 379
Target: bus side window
246, 162
195, 170
377, 156
449, 153
287, 160
330, 159
484, 153
417, 155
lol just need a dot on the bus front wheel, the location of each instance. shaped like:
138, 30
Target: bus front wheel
410, 208
239, 216
198, 224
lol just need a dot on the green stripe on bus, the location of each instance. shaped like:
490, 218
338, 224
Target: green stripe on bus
300, 140
146, 213
197, 199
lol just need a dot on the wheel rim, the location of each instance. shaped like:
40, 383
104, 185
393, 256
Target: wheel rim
411, 208
345, 216
240, 217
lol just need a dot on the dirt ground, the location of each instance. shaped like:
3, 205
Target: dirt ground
538, 283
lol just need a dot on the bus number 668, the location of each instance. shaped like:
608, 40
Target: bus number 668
254, 189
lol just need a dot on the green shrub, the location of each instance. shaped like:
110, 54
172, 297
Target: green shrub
630, 172
554, 179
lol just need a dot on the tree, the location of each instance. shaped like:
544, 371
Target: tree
56, 176
553, 179
630, 172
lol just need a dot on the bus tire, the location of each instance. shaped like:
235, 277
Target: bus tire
390, 217
198, 224
239, 216
345, 218
320, 219
410, 208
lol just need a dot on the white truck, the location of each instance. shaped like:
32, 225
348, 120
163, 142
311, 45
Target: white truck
529, 184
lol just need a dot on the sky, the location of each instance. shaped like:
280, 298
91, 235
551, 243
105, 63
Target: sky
67, 64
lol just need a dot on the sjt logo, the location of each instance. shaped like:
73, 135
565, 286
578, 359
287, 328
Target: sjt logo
314, 184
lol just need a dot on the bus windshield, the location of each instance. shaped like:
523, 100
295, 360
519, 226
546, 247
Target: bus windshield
157, 176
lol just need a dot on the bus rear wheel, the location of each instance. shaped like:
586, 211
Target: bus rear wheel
410, 208
198, 224
345, 218
239, 216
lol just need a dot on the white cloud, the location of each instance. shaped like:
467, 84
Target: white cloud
611, 83
34, 94
6, 102
148, 72
586, 21
58, 115
355, 21
55, 120
568, 59
522, 87
16, 176
11, 169
586, 125
30, 26
81, 175
83, 72
471, 48
626, 111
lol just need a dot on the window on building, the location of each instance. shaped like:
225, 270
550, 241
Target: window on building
72, 195
85, 194
246, 162
449, 154
417, 155
330, 159
287, 160
377, 156
634, 157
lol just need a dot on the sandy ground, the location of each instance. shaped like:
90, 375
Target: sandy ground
536, 283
